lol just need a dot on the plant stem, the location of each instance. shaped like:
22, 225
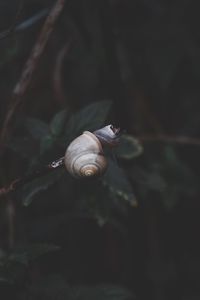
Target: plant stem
30, 66
19, 182
182, 140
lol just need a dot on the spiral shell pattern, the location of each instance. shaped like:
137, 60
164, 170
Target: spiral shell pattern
84, 157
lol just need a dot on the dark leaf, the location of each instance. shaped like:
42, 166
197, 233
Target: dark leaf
129, 147
13, 266
27, 253
55, 287
90, 118
9, 53
30, 190
46, 143
100, 293
149, 179
23, 146
115, 179
58, 122
37, 128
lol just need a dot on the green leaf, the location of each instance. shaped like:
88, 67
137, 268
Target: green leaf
2, 255
115, 179
30, 190
23, 146
55, 287
27, 253
150, 179
4, 279
14, 265
37, 128
46, 143
90, 118
7, 54
58, 122
100, 293
169, 176
129, 147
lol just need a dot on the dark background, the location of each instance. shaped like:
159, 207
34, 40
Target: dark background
143, 56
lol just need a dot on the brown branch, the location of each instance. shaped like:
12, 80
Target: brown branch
30, 66
182, 140
17, 183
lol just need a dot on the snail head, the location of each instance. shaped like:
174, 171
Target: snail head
108, 135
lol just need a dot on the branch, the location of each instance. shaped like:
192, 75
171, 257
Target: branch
17, 183
182, 140
31, 64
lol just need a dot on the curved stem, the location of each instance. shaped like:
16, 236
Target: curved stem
30, 66
164, 138
19, 182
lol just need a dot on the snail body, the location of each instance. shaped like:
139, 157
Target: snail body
84, 157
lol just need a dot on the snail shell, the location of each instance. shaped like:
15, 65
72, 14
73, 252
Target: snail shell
84, 157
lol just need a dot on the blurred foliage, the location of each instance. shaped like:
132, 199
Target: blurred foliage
50, 136
56, 288
171, 178
135, 230
13, 265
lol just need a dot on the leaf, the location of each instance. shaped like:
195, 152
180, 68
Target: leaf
25, 254
37, 128
46, 143
149, 179
5, 278
115, 179
58, 122
170, 178
100, 293
30, 190
9, 53
90, 118
14, 265
52, 287
55, 287
2, 255
24, 146
129, 147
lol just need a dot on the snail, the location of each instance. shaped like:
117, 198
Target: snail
85, 157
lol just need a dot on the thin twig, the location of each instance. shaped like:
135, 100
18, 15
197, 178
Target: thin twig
32, 63
17, 183
182, 140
